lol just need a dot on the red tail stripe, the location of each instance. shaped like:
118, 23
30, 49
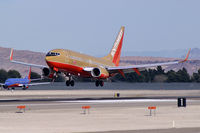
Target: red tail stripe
11, 54
116, 57
29, 75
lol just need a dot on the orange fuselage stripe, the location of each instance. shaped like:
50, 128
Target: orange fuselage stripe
76, 70
14, 85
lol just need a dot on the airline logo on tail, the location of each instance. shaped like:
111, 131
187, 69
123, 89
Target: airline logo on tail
117, 42
116, 50
29, 74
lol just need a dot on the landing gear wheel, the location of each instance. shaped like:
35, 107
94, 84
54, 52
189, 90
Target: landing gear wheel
13, 88
101, 83
72, 83
69, 79
97, 83
67, 83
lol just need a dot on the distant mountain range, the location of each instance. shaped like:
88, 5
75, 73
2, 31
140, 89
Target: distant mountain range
21, 55
179, 53
38, 58
195, 54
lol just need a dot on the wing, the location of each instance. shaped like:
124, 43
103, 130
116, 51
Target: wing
1, 84
43, 83
36, 79
23, 63
137, 68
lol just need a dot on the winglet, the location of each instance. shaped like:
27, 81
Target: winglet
187, 56
11, 55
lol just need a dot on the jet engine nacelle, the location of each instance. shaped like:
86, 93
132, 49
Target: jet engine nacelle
96, 72
46, 72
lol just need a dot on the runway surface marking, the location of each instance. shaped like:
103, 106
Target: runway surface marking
57, 103
121, 101
35, 104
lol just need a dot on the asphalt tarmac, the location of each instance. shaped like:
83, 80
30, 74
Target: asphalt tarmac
172, 130
60, 111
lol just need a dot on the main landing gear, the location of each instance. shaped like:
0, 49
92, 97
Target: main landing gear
99, 83
69, 80
24, 88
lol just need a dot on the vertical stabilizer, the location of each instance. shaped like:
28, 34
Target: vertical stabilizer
29, 73
114, 55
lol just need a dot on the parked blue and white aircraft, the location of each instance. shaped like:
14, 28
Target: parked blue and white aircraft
21, 82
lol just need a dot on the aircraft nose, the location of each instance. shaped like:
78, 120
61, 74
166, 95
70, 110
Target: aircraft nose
47, 58
52, 56
6, 84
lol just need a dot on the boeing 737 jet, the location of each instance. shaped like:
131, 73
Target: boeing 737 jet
21, 82
74, 63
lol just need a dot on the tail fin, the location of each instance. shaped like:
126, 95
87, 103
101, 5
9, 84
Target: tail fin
114, 55
29, 74
11, 55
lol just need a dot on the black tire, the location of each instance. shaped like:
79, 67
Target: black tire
13, 88
24, 88
97, 83
72, 83
67, 83
101, 83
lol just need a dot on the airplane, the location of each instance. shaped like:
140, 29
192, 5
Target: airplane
21, 82
72, 63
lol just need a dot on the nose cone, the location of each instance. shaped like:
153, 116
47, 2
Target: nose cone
7, 83
48, 58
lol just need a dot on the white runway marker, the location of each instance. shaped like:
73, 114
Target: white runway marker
173, 124
122, 101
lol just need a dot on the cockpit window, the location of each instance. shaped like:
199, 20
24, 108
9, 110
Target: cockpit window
52, 54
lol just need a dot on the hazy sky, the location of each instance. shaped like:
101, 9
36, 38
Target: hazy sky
91, 26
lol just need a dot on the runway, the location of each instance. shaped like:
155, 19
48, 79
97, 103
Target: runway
51, 104
60, 111
172, 130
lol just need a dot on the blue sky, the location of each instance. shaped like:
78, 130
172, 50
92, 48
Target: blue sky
91, 26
